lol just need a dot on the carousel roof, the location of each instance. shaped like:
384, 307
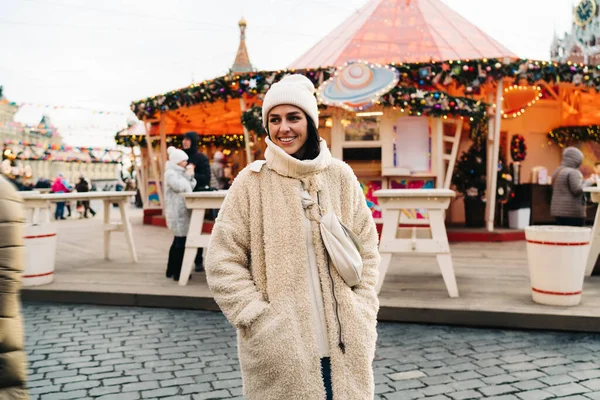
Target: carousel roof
386, 31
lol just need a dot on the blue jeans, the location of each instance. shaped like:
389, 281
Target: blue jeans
60, 210
326, 370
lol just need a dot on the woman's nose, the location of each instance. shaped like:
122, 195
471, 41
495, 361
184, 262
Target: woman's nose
285, 127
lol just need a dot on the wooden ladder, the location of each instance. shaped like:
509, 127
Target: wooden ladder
450, 158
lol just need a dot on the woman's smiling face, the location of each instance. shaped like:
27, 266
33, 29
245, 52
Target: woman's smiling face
288, 128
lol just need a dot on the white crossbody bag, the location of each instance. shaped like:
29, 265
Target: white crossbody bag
343, 248
342, 245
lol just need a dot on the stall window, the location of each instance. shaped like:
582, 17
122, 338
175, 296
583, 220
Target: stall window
412, 144
362, 154
361, 127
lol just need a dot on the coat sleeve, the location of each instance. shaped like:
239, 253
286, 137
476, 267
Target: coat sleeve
228, 262
178, 183
364, 227
13, 363
575, 182
202, 171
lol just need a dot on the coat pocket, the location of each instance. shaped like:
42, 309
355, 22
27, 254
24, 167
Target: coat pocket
269, 353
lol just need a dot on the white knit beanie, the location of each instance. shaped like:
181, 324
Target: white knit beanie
296, 90
176, 156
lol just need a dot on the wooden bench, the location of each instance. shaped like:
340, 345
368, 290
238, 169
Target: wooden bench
39, 203
198, 202
595, 238
395, 240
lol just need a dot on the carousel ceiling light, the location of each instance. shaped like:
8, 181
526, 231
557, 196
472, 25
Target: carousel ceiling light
369, 114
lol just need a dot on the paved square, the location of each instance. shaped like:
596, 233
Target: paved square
81, 352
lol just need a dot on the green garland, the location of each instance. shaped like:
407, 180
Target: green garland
225, 141
436, 104
470, 74
566, 135
410, 100
252, 120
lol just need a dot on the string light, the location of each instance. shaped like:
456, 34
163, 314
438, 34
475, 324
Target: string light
514, 113
567, 135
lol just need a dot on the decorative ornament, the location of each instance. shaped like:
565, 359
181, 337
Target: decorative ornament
518, 149
472, 192
357, 86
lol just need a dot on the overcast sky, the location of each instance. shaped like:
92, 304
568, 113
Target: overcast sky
104, 55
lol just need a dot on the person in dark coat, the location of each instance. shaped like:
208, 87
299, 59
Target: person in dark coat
198, 159
201, 173
82, 187
13, 363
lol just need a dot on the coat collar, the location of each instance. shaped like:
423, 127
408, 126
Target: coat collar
284, 164
175, 167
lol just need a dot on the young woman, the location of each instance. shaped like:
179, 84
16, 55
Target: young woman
178, 179
302, 332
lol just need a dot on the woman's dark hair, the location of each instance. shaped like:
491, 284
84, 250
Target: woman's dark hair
312, 147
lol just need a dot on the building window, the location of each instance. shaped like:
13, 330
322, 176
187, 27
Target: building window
362, 127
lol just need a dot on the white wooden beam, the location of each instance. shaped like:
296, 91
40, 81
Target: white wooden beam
493, 171
246, 133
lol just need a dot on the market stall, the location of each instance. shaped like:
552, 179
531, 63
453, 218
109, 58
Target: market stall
32, 161
438, 110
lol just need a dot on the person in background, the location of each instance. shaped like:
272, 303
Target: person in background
83, 186
179, 178
217, 172
60, 185
43, 183
594, 178
568, 201
13, 363
201, 167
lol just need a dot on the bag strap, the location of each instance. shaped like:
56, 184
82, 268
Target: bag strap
558, 172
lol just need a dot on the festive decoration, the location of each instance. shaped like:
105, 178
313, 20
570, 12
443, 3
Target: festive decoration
469, 176
505, 184
470, 74
567, 135
252, 120
517, 112
470, 172
518, 149
18, 150
225, 141
436, 104
357, 86
67, 107
410, 100
25, 129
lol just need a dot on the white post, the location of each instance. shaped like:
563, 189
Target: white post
246, 133
489, 159
438, 151
493, 172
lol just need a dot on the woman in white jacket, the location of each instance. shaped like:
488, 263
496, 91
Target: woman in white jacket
302, 332
178, 179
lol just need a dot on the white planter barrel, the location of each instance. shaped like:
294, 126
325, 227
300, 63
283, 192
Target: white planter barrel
40, 254
557, 258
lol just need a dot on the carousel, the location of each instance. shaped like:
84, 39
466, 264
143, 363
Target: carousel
448, 107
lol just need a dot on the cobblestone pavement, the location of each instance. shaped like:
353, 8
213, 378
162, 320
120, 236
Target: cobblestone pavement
80, 352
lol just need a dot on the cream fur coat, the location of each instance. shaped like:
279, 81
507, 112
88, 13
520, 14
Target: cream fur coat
256, 269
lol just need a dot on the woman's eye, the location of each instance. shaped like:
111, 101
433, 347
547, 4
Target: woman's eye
274, 120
